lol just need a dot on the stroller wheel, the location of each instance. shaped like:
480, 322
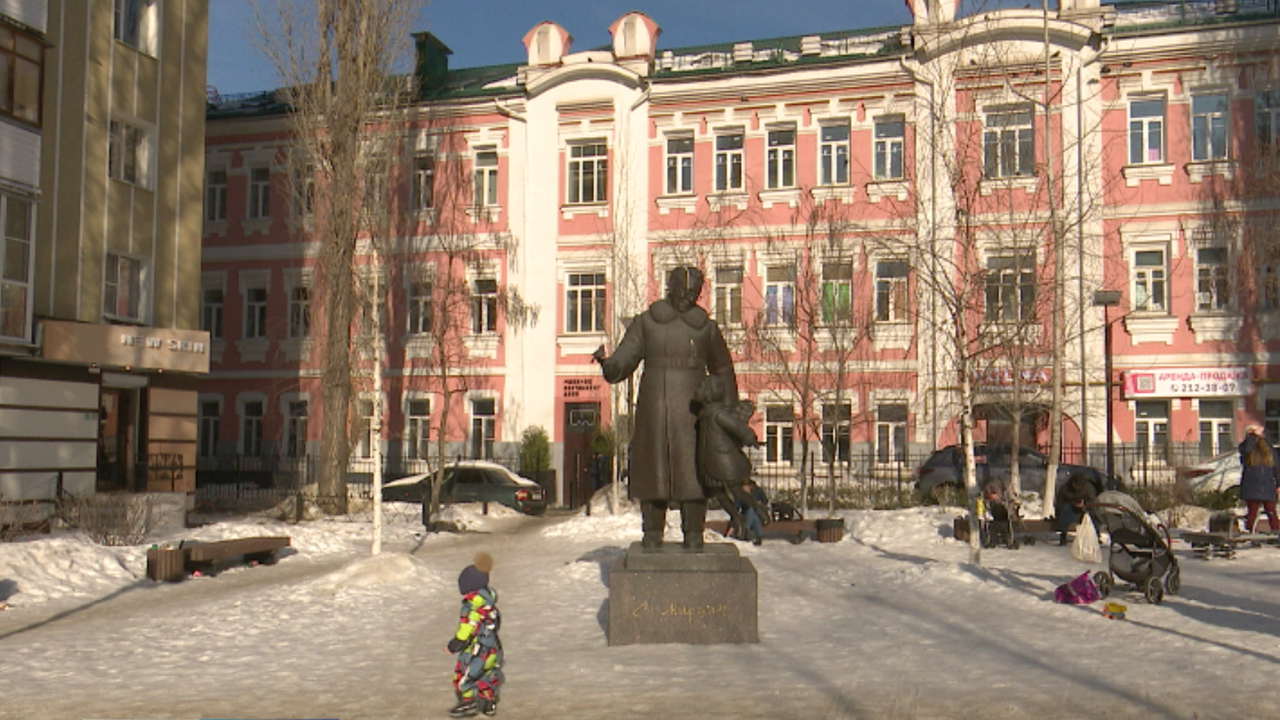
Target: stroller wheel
1029, 541
1173, 581
1104, 583
1153, 591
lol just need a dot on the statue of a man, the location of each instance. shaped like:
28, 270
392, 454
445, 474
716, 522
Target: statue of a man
680, 346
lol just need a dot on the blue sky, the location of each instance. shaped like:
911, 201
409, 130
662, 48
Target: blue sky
488, 32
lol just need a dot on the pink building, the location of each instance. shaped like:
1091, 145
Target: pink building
884, 217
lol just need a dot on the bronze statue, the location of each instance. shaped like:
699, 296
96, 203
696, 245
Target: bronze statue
680, 346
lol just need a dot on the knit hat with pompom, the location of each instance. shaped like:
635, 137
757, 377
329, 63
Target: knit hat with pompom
476, 575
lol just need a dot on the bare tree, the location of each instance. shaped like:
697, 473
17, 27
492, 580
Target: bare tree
336, 60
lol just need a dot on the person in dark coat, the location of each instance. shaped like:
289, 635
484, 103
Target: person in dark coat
680, 346
1259, 478
1069, 509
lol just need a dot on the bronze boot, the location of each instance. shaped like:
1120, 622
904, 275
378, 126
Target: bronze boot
693, 518
653, 520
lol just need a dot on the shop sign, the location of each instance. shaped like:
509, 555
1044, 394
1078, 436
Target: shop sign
139, 348
1195, 382
580, 387
1001, 379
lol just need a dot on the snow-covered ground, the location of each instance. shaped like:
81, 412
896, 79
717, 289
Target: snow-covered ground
891, 623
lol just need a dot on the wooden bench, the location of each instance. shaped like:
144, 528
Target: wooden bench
960, 527
794, 530
174, 564
1224, 544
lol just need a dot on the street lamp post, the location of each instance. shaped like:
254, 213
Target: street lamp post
1106, 299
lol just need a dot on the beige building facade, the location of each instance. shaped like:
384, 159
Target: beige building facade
97, 393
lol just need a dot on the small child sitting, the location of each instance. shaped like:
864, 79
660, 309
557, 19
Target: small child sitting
478, 672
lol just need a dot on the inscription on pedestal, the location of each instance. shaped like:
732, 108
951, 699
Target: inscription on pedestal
711, 601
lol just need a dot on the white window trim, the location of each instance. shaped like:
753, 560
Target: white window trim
406, 398
252, 349
580, 343
297, 348
283, 402
243, 399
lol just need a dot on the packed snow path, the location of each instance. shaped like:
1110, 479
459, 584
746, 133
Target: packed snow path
889, 623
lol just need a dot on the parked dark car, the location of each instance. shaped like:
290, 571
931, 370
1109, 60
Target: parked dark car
471, 481
941, 477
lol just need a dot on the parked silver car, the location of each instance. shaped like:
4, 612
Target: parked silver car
1219, 474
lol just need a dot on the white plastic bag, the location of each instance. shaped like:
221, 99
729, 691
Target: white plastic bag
1085, 545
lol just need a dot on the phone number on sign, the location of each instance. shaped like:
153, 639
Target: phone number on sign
1192, 388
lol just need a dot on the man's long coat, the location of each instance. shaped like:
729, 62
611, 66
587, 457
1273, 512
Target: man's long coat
679, 349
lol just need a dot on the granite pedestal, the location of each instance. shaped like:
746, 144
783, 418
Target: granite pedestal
671, 595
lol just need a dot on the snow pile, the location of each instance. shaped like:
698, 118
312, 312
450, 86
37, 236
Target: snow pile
372, 575
49, 568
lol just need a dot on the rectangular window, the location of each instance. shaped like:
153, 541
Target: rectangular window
1149, 279
835, 432
1266, 116
729, 162
296, 430
417, 429
1151, 429
727, 296
679, 165
419, 308
1146, 131
780, 295
889, 133
1010, 289
259, 193
778, 428
1008, 145
485, 182
584, 303
1216, 433
210, 412
833, 155
127, 25
299, 311
21, 75
251, 429
484, 306
1209, 134
588, 173
215, 196
423, 188
127, 154
1271, 421
780, 159
304, 191
122, 287
1212, 279
17, 220
891, 291
364, 429
483, 428
255, 312
891, 433
837, 293
1269, 290
211, 301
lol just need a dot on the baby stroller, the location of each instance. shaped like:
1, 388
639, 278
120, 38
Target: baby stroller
1139, 554
1004, 523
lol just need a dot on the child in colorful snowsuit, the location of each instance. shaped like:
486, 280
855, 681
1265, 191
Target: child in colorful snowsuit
478, 672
